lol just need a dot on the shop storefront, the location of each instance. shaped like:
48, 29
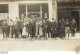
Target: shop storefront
17, 8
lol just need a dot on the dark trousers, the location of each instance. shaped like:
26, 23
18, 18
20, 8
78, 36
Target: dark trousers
53, 34
13, 32
45, 33
16, 33
73, 32
32, 33
48, 32
3, 33
62, 33
7, 34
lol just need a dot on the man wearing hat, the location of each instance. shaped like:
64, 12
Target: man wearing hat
48, 27
63, 23
73, 27
7, 30
32, 28
67, 28
20, 26
44, 29
3, 28
53, 28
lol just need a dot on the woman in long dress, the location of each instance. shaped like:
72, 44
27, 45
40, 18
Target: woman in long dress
11, 29
27, 28
37, 27
24, 30
40, 28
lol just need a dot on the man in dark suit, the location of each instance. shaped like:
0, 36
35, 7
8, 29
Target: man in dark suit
44, 29
48, 28
32, 28
73, 27
20, 26
34, 25
12, 30
67, 28
53, 28
3, 28
63, 23
7, 30
16, 31
59, 28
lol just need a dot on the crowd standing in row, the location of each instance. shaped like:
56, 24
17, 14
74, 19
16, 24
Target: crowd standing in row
38, 27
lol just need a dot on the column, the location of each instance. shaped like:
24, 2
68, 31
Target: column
54, 12
50, 9
13, 11
41, 11
26, 12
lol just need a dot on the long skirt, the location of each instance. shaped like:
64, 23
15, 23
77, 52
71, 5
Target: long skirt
40, 31
24, 32
37, 30
11, 33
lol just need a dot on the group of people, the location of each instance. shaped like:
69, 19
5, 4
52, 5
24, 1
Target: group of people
68, 27
38, 27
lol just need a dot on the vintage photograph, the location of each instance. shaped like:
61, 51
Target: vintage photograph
39, 25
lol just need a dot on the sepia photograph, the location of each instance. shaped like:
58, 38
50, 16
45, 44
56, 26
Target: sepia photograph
39, 25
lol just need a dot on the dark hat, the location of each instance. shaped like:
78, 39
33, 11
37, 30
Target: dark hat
73, 18
52, 18
45, 18
67, 19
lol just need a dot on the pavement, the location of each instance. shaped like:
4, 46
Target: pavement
71, 44
40, 45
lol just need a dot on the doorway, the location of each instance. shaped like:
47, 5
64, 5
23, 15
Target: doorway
38, 10
75, 14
